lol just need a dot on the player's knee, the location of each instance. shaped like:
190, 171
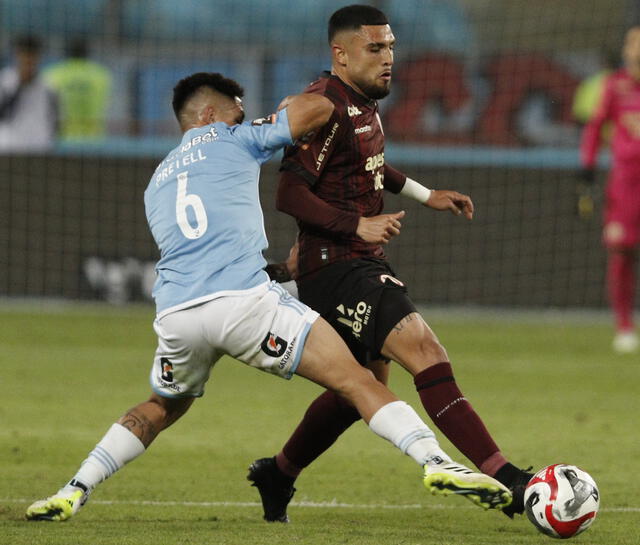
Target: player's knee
369, 382
380, 369
420, 346
360, 380
429, 350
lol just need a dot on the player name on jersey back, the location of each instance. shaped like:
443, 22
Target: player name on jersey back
181, 158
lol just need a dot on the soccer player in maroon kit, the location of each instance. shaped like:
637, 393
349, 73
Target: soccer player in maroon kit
333, 187
620, 104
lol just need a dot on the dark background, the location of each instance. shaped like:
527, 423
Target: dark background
526, 245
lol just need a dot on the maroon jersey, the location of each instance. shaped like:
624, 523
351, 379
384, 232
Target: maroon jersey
328, 183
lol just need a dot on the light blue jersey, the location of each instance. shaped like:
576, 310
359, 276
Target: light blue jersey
203, 208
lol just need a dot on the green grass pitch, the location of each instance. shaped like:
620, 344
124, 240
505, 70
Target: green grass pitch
547, 386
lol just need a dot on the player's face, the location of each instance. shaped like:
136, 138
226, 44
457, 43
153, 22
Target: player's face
631, 49
367, 59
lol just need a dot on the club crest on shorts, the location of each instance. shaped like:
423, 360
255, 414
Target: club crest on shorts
273, 345
166, 368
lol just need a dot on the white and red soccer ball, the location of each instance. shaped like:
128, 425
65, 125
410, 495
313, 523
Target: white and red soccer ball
561, 500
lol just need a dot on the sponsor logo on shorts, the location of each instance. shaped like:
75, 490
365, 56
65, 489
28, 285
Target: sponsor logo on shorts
170, 385
385, 277
166, 368
273, 345
166, 375
287, 354
356, 318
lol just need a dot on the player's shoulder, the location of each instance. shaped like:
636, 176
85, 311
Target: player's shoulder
332, 88
319, 85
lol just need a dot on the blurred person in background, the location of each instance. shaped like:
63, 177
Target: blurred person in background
83, 87
333, 186
585, 104
620, 104
28, 107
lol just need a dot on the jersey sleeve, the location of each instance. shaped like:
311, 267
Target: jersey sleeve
393, 179
263, 137
593, 129
296, 198
309, 158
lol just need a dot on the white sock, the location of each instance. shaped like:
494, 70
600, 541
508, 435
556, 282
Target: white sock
399, 423
116, 448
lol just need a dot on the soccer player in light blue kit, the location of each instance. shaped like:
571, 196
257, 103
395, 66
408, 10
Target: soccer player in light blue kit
214, 298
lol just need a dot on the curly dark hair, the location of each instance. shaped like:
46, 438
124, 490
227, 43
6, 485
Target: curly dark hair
188, 86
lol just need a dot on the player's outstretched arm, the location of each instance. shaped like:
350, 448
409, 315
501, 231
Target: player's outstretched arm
456, 202
453, 201
306, 113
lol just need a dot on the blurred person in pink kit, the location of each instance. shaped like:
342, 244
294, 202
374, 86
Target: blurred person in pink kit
620, 104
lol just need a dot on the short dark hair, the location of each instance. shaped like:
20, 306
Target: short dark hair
188, 86
28, 43
353, 17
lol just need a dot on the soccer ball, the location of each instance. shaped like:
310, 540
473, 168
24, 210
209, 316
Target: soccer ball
561, 500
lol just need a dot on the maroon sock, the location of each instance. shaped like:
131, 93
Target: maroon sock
455, 417
325, 420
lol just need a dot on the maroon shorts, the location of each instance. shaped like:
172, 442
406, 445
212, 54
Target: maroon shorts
361, 299
622, 209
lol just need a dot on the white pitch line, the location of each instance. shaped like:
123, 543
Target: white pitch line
321, 505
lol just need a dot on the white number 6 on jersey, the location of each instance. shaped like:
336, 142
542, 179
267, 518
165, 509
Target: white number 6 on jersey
184, 201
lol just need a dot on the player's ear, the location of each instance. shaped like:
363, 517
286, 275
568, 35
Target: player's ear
207, 115
339, 54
